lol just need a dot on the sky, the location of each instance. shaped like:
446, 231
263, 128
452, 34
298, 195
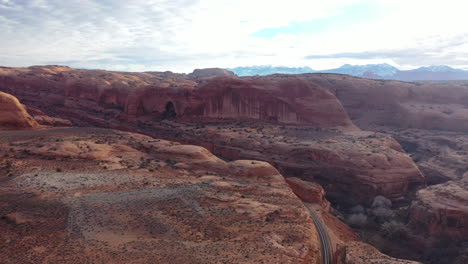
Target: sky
181, 35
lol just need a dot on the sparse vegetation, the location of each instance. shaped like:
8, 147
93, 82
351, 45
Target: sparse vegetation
357, 220
394, 230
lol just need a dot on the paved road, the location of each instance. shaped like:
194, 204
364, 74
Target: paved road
327, 250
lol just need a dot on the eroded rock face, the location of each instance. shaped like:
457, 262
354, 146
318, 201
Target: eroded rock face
424, 105
13, 115
133, 96
442, 210
95, 195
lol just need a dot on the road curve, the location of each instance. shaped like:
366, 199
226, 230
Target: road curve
327, 251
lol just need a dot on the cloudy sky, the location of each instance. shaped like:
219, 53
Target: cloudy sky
181, 35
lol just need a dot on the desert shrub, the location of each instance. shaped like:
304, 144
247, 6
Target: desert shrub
358, 209
382, 214
394, 230
357, 220
381, 201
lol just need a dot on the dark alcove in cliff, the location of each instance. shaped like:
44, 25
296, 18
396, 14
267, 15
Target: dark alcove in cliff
169, 112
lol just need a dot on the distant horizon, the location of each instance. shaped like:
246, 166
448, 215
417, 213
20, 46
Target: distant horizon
317, 69
230, 68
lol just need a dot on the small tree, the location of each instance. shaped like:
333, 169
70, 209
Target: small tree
358, 209
382, 214
357, 220
381, 201
394, 230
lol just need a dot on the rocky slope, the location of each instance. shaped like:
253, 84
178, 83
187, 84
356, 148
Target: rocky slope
94, 195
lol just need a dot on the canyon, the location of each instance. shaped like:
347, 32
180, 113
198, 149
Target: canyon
326, 142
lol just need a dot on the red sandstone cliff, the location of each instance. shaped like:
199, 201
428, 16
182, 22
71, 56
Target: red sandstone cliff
155, 94
426, 105
13, 115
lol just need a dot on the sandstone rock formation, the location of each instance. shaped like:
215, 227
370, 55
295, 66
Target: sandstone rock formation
441, 155
360, 253
442, 210
47, 121
93, 195
281, 98
13, 115
352, 167
425, 105
308, 191
211, 72
130, 96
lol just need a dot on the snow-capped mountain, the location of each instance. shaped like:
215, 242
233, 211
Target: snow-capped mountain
268, 70
371, 71
437, 68
383, 70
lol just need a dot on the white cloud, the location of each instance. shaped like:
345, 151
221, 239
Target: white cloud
181, 35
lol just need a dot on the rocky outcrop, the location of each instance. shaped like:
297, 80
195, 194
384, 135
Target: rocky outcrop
442, 210
309, 192
13, 115
95, 195
47, 121
360, 253
211, 72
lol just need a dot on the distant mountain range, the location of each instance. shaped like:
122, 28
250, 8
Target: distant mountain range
371, 71
268, 70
